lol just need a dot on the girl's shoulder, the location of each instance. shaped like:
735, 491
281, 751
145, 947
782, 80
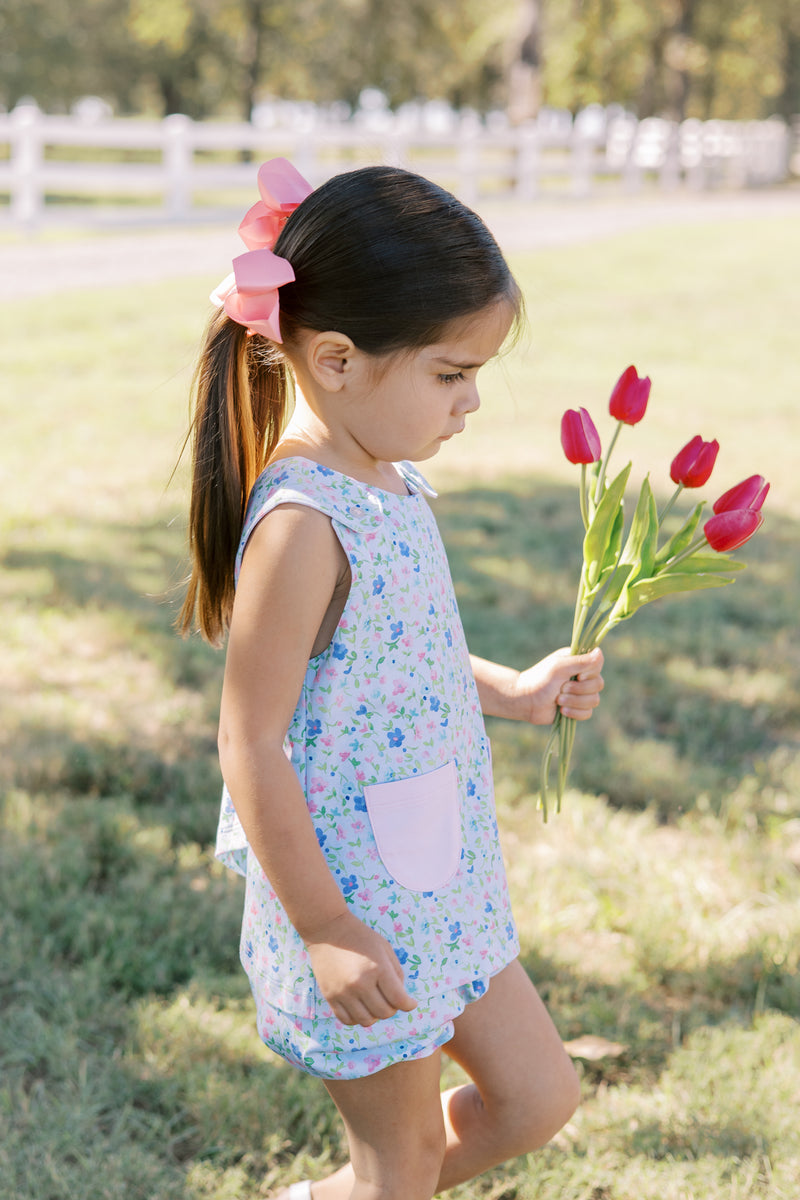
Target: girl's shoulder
301, 480
349, 503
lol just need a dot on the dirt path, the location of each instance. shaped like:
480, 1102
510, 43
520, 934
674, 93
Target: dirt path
31, 266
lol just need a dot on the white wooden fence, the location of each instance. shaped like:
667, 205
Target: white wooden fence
182, 170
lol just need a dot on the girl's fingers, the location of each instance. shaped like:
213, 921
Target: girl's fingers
579, 698
381, 1002
395, 994
583, 687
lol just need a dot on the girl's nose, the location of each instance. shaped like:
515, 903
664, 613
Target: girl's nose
471, 401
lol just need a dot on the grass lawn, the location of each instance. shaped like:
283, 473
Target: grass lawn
659, 913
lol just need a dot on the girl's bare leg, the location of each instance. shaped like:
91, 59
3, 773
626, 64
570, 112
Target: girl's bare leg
523, 1090
395, 1131
524, 1087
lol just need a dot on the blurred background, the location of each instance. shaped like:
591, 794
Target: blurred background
638, 164
677, 58
516, 98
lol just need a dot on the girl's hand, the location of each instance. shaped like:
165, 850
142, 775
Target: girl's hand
357, 972
570, 682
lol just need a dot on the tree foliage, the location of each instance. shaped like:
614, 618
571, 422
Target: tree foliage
736, 59
726, 58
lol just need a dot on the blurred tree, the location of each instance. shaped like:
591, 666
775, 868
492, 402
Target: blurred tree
182, 57
702, 58
725, 58
416, 50
40, 50
524, 73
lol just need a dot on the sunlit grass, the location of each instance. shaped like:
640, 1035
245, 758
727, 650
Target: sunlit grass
658, 911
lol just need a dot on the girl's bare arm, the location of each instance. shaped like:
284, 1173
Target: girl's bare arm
571, 683
290, 570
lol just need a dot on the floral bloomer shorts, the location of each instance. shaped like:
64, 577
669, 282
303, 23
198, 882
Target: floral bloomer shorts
325, 1047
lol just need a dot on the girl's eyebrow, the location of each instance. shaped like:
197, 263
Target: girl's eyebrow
446, 362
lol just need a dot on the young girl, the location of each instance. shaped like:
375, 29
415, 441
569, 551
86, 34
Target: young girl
358, 801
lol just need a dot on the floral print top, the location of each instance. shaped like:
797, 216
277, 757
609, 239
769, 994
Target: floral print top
389, 744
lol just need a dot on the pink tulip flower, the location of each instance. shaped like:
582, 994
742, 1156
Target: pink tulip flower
629, 398
579, 437
692, 466
750, 493
732, 528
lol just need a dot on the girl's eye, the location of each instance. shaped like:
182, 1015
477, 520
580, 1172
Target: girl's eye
451, 378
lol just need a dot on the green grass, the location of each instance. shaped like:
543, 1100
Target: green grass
659, 911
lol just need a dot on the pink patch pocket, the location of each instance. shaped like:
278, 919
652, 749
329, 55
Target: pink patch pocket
417, 827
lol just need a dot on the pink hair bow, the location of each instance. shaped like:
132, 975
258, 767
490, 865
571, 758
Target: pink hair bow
282, 189
250, 295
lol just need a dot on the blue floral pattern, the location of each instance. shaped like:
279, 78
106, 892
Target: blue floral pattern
391, 697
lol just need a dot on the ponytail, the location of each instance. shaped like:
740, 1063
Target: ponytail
242, 388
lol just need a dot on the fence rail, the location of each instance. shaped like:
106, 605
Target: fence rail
187, 169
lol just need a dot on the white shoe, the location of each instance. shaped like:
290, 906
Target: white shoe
300, 1191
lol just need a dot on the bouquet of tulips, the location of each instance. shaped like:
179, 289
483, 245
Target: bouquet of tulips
621, 573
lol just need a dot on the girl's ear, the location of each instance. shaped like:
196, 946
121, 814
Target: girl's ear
329, 357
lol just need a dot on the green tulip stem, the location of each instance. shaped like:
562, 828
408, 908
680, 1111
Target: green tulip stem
697, 544
584, 497
669, 505
601, 478
581, 613
589, 640
547, 758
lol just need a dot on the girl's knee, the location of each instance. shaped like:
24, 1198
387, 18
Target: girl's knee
542, 1112
570, 1092
526, 1118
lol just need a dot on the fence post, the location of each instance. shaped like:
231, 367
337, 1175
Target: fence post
670, 173
527, 161
27, 201
631, 170
468, 162
581, 164
177, 160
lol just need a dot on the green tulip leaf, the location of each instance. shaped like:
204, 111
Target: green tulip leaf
641, 544
610, 559
717, 564
603, 525
646, 590
615, 586
681, 540
614, 540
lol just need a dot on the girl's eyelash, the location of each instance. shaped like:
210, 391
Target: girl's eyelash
451, 378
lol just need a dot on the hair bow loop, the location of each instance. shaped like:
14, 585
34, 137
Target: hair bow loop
282, 189
253, 300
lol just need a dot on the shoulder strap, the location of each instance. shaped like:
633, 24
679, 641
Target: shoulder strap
300, 481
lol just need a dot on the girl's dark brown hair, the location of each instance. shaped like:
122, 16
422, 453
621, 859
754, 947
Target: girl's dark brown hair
379, 254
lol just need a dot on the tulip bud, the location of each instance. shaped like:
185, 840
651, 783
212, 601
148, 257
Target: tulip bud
731, 529
579, 437
629, 397
692, 466
750, 493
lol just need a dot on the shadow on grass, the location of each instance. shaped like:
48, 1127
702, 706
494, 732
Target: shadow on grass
655, 1017
145, 731
702, 691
